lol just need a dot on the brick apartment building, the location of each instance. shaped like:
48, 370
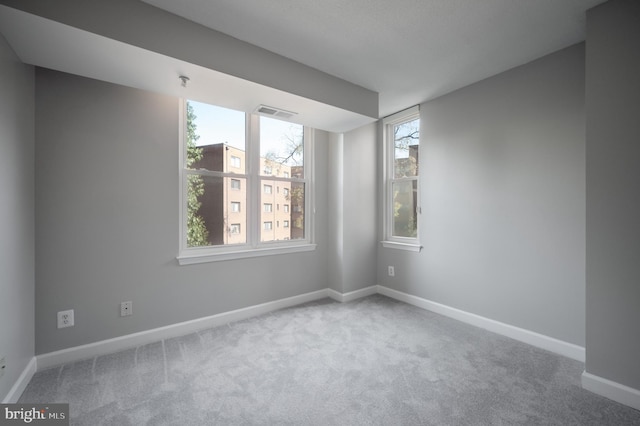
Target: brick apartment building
224, 203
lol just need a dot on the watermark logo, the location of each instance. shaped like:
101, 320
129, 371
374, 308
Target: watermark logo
34, 414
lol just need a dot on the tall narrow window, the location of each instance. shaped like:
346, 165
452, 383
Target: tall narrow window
402, 166
231, 162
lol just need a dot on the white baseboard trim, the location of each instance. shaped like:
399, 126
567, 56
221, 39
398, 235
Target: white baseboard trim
128, 341
352, 295
103, 347
612, 390
21, 384
551, 344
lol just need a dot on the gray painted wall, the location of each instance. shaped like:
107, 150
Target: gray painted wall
17, 282
359, 217
503, 200
613, 194
107, 220
335, 181
352, 201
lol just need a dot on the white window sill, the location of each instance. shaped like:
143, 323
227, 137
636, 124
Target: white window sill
401, 246
204, 256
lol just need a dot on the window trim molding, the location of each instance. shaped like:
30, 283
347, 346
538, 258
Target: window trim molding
390, 241
401, 246
253, 247
205, 255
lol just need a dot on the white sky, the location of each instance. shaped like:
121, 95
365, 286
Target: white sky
218, 125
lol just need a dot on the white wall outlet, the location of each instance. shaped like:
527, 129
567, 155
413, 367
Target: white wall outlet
392, 271
65, 319
3, 366
126, 308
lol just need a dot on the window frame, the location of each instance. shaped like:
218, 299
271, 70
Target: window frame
388, 124
253, 180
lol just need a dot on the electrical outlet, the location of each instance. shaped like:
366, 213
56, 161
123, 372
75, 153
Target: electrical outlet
65, 319
392, 271
3, 366
126, 308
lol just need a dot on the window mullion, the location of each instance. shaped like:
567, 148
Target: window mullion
309, 182
253, 180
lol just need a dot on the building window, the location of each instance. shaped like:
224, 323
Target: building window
285, 224
286, 208
272, 148
285, 191
402, 208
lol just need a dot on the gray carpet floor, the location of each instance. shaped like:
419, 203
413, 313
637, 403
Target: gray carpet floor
374, 361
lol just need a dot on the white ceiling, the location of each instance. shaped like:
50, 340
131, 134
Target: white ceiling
50, 44
408, 51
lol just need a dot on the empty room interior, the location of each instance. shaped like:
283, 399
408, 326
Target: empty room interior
342, 212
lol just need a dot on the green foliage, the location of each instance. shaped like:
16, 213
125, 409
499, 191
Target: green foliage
404, 212
197, 233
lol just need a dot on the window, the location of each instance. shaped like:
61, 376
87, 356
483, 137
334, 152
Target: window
240, 173
285, 224
401, 142
285, 191
286, 208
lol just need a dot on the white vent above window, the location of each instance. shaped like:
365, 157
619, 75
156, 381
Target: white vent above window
274, 112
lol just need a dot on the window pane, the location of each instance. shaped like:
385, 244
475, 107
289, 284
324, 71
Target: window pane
281, 148
405, 222
286, 223
406, 138
297, 197
215, 138
211, 215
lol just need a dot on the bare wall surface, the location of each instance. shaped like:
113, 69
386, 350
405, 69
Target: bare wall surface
359, 214
503, 200
107, 220
613, 200
17, 282
335, 204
